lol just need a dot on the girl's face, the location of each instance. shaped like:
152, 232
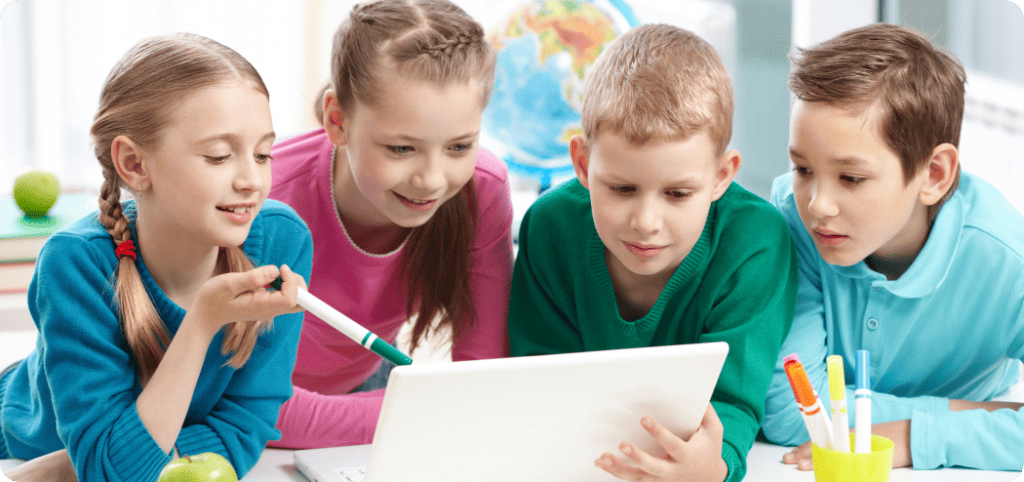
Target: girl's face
399, 161
210, 173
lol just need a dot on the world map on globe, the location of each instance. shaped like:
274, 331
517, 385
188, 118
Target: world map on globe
544, 50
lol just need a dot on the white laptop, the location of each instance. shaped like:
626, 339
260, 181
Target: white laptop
537, 418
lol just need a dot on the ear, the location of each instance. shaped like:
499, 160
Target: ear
334, 119
728, 166
942, 169
579, 152
128, 161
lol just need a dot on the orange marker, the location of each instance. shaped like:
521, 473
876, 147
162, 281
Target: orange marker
819, 427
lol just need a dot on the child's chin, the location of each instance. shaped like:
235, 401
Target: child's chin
838, 259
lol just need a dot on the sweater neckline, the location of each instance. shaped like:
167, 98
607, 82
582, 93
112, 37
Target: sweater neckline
341, 223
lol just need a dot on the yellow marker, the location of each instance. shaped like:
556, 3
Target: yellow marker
837, 389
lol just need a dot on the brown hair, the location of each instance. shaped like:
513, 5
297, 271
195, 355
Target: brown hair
137, 101
433, 41
917, 87
658, 83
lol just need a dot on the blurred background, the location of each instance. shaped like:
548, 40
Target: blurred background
55, 54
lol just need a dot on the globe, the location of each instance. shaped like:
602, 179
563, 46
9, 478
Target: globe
545, 48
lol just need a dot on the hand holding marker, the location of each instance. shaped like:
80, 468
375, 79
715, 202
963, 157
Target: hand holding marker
346, 326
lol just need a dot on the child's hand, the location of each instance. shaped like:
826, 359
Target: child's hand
686, 460
898, 432
233, 297
52, 467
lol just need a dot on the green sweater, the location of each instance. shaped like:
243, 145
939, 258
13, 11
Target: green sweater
737, 285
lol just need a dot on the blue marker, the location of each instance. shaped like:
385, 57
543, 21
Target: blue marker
346, 326
862, 402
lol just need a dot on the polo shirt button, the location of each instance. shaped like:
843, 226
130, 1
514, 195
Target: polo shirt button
872, 324
876, 288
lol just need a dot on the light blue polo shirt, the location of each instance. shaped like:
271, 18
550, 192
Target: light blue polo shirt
951, 327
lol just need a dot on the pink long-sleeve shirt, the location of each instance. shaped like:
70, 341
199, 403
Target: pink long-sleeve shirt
368, 288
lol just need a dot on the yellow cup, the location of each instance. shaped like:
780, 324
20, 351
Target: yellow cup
832, 466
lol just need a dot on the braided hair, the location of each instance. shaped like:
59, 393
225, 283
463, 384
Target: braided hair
137, 102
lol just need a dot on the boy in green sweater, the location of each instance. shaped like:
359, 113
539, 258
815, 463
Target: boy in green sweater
653, 244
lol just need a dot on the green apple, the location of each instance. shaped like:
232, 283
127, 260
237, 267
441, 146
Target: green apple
205, 467
35, 192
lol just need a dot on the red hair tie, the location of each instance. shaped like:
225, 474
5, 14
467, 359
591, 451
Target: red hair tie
126, 248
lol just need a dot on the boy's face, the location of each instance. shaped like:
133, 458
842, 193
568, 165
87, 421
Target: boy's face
849, 187
650, 203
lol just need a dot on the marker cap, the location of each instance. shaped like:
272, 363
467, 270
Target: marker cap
803, 390
836, 377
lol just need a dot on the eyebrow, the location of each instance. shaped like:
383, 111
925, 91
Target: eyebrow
842, 161
678, 183
230, 137
407, 138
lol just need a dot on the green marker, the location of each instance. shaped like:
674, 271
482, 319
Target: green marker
346, 326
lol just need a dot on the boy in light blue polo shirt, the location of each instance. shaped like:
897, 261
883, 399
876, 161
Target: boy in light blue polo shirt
899, 254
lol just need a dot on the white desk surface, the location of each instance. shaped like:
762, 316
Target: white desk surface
763, 465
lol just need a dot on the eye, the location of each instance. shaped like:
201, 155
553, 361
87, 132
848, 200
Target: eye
622, 189
678, 194
802, 171
462, 147
217, 159
264, 158
853, 180
400, 149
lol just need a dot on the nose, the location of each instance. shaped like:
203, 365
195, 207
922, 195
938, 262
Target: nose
646, 217
822, 203
249, 176
429, 176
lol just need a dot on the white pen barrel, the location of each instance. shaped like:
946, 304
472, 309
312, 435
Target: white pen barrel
840, 426
862, 427
332, 316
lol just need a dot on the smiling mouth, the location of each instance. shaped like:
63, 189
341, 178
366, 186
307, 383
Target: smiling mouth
235, 209
416, 204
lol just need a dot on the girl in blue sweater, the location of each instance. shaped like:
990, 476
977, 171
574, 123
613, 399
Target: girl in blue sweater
155, 329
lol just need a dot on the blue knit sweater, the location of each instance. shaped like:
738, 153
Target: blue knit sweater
77, 389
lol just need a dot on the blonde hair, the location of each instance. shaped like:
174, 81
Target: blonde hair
918, 88
137, 101
658, 83
433, 41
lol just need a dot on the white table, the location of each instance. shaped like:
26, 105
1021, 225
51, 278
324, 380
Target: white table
763, 465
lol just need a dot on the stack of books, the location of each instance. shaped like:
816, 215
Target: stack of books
22, 237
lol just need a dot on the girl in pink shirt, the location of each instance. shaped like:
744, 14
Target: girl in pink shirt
410, 218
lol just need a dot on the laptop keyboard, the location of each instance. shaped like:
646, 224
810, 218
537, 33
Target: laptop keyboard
354, 474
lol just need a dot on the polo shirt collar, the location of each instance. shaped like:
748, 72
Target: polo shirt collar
933, 263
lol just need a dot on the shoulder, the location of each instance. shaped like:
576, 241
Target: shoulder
565, 207
987, 216
279, 219
490, 178
743, 217
277, 234
82, 249
296, 160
